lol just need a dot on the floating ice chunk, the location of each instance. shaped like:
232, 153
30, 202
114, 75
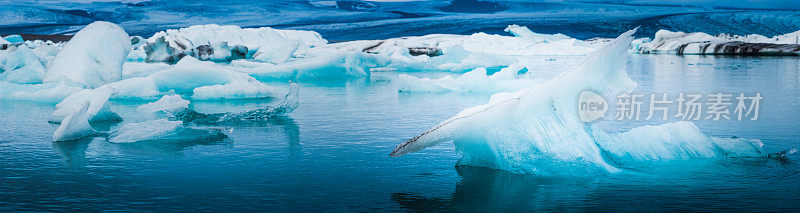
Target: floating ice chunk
504, 80
162, 130
14, 39
93, 57
289, 103
99, 107
169, 104
704, 44
537, 129
22, 67
75, 125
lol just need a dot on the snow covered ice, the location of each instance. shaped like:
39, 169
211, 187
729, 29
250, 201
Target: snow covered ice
537, 129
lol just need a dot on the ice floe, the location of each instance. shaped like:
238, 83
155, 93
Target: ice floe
162, 130
704, 44
537, 129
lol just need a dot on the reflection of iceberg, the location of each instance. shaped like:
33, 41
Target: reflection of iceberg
537, 130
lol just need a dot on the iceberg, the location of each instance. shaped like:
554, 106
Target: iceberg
537, 129
162, 130
225, 43
22, 66
75, 125
93, 57
505, 80
667, 42
462, 53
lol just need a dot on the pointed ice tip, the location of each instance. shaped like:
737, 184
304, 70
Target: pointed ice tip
401, 149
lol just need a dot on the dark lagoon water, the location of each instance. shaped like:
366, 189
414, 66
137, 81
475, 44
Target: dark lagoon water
331, 154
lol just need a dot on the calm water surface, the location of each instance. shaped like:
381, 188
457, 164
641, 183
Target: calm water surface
331, 154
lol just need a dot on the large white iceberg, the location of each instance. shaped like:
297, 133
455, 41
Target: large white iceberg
537, 129
93, 57
700, 43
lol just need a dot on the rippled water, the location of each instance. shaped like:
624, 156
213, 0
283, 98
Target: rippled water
331, 154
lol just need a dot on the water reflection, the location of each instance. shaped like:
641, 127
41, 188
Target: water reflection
483, 189
73, 153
